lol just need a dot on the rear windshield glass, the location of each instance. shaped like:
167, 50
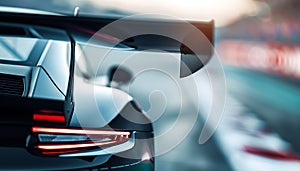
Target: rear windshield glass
16, 48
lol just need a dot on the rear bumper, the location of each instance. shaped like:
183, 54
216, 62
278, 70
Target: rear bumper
139, 158
19, 158
17, 140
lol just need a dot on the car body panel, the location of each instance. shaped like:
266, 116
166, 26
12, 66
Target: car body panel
103, 104
44, 87
54, 61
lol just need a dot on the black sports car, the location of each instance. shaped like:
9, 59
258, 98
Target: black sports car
53, 115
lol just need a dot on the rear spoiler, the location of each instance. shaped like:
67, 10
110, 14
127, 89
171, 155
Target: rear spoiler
83, 28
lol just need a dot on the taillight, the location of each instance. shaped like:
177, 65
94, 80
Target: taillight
53, 141
49, 116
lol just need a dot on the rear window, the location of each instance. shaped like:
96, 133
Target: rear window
16, 48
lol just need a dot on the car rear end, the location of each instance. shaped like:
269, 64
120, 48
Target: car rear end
36, 106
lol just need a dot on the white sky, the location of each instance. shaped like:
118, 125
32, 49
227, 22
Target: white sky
222, 11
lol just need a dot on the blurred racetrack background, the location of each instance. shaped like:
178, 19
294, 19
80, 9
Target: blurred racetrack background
259, 44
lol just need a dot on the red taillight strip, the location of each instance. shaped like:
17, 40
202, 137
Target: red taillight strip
50, 112
77, 131
59, 152
72, 146
50, 118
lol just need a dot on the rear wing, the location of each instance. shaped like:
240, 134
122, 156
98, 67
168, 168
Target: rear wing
83, 28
